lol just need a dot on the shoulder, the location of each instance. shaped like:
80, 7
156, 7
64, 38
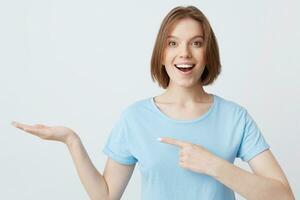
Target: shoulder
229, 106
136, 107
229, 103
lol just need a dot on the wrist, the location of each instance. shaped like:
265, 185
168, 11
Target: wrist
215, 168
71, 139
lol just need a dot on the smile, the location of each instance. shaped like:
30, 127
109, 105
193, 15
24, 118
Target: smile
185, 68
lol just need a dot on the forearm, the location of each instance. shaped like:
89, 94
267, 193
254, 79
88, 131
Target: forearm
249, 185
92, 180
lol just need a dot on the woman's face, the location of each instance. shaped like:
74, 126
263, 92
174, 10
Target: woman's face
184, 55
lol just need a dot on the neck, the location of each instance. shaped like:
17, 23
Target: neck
185, 95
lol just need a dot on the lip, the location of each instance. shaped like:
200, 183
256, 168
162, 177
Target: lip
193, 65
185, 63
184, 73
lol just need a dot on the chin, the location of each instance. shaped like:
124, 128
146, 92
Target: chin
186, 83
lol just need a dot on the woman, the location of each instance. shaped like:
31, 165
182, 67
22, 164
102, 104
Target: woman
199, 134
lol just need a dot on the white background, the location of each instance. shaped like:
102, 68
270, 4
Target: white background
80, 63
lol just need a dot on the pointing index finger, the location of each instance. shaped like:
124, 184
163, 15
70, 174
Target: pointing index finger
172, 141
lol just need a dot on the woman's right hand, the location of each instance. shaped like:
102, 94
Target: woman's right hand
58, 133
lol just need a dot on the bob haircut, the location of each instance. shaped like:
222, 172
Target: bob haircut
213, 65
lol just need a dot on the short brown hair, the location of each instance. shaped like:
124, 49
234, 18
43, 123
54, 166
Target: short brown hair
213, 64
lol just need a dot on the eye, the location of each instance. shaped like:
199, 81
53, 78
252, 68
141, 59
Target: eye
170, 43
198, 43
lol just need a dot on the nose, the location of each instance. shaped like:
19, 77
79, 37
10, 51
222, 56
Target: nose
184, 52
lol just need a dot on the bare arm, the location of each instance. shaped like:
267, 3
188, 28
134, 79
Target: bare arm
93, 182
267, 182
109, 186
117, 177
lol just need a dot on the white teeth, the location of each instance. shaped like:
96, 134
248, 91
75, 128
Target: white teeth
185, 66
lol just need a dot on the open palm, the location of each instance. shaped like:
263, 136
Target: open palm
58, 133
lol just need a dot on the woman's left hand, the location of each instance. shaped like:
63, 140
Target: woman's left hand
194, 157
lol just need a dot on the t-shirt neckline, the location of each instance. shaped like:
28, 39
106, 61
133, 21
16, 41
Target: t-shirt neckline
199, 118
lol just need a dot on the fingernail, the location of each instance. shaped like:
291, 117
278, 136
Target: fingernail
13, 123
159, 139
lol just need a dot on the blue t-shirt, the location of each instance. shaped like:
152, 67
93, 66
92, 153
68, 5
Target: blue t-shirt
226, 129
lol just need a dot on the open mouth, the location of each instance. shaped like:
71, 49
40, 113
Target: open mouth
185, 69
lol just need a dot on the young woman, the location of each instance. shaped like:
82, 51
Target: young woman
199, 134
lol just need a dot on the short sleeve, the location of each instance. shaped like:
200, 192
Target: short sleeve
253, 142
117, 144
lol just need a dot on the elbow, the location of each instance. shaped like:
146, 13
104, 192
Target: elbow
282, 192
288, 193
106, 197
102, 198
290, 196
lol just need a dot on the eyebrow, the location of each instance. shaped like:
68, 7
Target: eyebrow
172, 36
